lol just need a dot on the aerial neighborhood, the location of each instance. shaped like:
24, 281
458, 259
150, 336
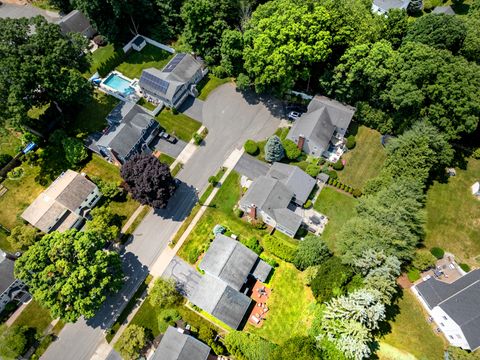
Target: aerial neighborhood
244, 180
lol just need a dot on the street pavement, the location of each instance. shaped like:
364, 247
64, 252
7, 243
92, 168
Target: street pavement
18, 11
231, 119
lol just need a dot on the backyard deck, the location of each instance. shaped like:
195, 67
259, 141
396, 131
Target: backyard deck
260, 294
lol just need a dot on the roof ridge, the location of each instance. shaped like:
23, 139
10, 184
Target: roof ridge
458, 292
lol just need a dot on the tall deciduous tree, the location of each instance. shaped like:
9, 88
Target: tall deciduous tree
132, 340
311, 251
23, 236
13, 341
396, 25
232, 52
274, 149
103, 223
148, 180
164, 293
70, 273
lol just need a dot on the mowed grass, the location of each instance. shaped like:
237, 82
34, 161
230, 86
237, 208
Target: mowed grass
339, 208
365, 160
9, 141
34, 316
290, 306
98, 57
92, 117
150, 56
411, 332
209, 83
453, 215
178, 125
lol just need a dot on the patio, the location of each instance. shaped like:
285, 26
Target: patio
446, 270
260, 294
313, 221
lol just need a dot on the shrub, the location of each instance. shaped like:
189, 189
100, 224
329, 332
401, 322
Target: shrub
100, 40
260, 225
291, 149
351, 142
308, 204
219, 229
333, 174
423, 260
437, 252
131, 342
464, 267
413, 275
476, 154
219, 71
174, 111
251, 147
321, 161
213, 180
313, 170
280, 248
357, 193
331, 280
238, 212
13, 341
247, 346
5, 159
253, 244
338, 165
269, 260
167, 318
197, 138
309, 274
243, 82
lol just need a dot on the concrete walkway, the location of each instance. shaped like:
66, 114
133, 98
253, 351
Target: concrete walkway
187, 151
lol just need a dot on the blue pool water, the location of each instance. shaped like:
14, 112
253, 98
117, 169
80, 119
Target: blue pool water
119, 83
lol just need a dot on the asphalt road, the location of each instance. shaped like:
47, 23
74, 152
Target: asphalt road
18, 11
231, 119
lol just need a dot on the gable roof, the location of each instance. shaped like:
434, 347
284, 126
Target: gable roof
139, 40
61, 199
447, 10
460, 300
386, 5
295, 179
75, 21
221, 300
6, 272
179, 71
177, 346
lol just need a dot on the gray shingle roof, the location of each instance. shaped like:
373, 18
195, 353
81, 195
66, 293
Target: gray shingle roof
447, 10
6, 272
139, 40
295, 179
229, 260
177, 346
390, 4
460, 300
261, 270
76, 22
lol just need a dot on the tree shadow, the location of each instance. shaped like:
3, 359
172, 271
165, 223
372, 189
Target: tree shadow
274, 106
180, 204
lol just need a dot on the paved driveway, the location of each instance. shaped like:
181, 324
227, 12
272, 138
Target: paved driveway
250, 167
168, 148
193, 107
231, 119
18, 11
185, 275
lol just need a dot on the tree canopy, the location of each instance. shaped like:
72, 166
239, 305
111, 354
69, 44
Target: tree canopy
70, 273
311, 251
131, 342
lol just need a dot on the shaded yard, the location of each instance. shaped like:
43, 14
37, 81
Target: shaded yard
9, 142
453, 215
179, 125
290, 306
209, 83
150, 56
98, 57
34, 316
147, 105
365, 160
411, 332
92, 117
339, 208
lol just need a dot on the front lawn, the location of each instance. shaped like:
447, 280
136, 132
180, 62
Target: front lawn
34, 316
453, 215
147, 105
136, 61
209, 83
92, 117
365, 160
179, 125
290, 306
339, 208
411, 332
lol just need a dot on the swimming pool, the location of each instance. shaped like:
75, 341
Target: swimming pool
119, 83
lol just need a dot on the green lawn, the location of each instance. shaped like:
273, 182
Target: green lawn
179, 125
209, 83
150, 56
338, 207
453, 215
411, 332
291, 306
92, 117
147, 105
9, 142
34, 316
99, 56
365, 160
166, 159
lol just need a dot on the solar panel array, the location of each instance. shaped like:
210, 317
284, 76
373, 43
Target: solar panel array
154, 82
173, 63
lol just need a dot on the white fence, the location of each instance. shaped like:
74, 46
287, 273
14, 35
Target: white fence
127, 47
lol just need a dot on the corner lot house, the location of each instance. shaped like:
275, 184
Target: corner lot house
229, 267
64, 205
76, 22
274, 197
381, 7
130, 131
175, 82
455, 308
321, 130
176, 345
10, 288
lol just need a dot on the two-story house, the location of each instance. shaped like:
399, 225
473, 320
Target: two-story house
10, 288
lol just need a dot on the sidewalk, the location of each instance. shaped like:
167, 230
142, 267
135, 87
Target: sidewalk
188, 151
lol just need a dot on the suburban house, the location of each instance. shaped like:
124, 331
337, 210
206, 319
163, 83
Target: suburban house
274, 197
381, 7
454, 307
229, 268
176, 345
447, 10
10, 288
76, 22
130, 131
175, 82
321, 130
64, 205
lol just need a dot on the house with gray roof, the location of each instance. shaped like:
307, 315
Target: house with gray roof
175, 82
10, 288
76, 22
130, 131
274, 197
454, 307
321, 130
382, 7
447, 10
176, 345
64, 205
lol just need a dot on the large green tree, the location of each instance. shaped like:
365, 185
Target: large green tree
13, 341
311, 251
131, 342
70, 273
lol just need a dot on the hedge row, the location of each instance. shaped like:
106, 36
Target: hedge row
344, 187
281, 249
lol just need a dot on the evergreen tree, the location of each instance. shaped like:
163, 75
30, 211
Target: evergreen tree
274, 149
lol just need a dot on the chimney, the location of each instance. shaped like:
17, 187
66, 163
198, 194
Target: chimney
301, 141
253, 212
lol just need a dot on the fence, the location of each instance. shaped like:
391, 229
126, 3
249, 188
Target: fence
128, 47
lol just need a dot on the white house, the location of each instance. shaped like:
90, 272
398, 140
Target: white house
381, 7
455, 308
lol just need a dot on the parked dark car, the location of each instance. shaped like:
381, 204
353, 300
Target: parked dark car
170, 138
